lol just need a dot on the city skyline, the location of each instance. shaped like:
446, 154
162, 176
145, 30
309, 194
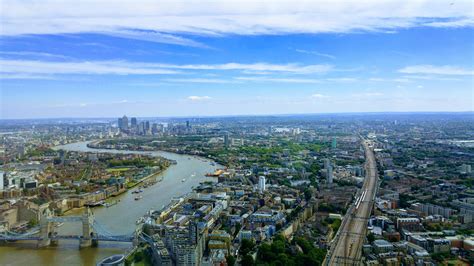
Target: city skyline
228, 60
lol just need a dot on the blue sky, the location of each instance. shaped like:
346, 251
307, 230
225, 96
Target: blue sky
192, 59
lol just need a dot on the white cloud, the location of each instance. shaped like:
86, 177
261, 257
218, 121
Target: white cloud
25, 76
87, 67
432, 77
259, 67
284, 80
319, 96
33, 54
153, 36
210, 17
436, 70
201, 80
315, 53
295, 80
199, 98
141, 68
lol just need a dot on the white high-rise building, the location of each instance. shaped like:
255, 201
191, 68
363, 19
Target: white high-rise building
261, 183
1, 181
328, 168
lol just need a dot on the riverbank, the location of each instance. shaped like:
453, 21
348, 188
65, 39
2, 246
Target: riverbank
119, 219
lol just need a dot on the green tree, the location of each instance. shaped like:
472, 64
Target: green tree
247, 260
230, 260
371, 237
246, 246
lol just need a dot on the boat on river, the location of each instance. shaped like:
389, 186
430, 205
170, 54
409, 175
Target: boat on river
138, 197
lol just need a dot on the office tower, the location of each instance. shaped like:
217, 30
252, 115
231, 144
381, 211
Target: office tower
133, 122
329, 174
226, 139
123, 123
154, 129
187, 124
328, 168
147, 126
261, 183
141, 128
334, 143
1, 180
327, 162
119, 123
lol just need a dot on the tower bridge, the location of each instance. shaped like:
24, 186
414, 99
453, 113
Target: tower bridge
45, 234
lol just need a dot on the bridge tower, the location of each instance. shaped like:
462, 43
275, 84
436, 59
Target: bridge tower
87, 229
46, 228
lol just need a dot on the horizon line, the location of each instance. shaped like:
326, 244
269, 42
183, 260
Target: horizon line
249, 115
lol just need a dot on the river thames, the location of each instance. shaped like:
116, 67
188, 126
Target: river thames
119, 219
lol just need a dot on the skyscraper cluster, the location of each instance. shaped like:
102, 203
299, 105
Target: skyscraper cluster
138, 128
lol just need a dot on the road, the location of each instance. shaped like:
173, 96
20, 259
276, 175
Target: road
347, 246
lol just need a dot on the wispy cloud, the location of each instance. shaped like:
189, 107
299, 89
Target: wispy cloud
232, 17
87, 67
198, 98
432, 77
436, 70
258, 67
318, 96
315, 53
200, 80
284, 80
142, 68
153, 36
5, 76
33, 54
399, 80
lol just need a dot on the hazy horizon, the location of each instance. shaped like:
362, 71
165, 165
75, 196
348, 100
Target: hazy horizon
253, 115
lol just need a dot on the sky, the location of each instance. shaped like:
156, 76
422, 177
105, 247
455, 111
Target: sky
207, 58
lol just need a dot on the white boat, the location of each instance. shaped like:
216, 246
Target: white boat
184, 179
58, 224
138, 197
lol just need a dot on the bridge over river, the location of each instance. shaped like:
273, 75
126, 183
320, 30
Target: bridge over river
92, 231
119, 219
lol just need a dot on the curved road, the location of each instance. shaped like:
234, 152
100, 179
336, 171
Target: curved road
348, 243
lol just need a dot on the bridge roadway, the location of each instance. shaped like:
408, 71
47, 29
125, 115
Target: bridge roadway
45, 232
347, 246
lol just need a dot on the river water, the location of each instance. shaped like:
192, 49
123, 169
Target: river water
119, 219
